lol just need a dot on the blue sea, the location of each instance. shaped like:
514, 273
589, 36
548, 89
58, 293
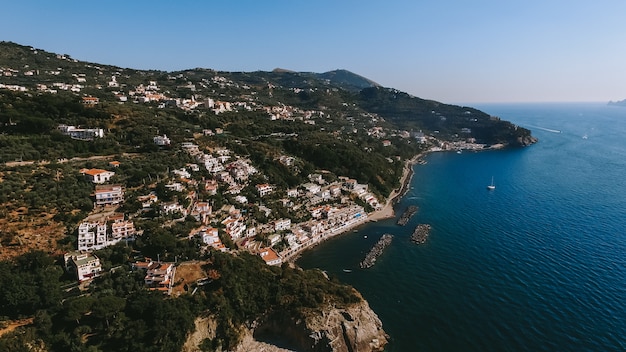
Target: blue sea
538, 264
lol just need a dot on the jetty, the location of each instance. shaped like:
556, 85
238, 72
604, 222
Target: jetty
376, 251
406, 216
420, 234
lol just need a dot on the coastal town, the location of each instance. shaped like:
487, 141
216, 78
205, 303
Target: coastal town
332, 208
133, 195
327, 205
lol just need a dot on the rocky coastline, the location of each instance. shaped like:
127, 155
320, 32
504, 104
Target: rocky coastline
406, 216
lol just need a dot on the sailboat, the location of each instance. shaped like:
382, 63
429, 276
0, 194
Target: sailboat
491, 186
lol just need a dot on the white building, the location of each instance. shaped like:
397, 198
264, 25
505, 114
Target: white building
109, 194
210, 236
85, 134
92, 236
264, 189
161, 140
97, 175
172, 207
270, 257
85, 265
122, 229
282, 224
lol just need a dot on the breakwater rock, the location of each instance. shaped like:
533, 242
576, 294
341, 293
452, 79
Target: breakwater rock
420, 234
406, 216
376, 251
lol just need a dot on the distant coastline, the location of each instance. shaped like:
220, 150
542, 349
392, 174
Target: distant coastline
617, 103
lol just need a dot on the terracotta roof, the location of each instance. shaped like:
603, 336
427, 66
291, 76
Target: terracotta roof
165, 266
93, 172
269, 255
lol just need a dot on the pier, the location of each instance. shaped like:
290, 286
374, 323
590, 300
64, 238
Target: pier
406, 216
376, 251
420, 234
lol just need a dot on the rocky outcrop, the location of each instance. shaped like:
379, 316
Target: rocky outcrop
526, 140
356, 328
205, 327
332, 329
329, 329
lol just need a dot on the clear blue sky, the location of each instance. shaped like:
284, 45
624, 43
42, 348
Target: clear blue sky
450, 51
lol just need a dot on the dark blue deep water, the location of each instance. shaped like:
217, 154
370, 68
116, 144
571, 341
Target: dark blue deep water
538, 264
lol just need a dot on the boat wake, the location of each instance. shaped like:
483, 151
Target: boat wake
544, 129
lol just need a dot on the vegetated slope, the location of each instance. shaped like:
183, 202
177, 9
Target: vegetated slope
410, 112
331, 90
118, 314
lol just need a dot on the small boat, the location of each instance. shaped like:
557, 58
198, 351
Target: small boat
492, 186
458, 151
347, 270
365, 236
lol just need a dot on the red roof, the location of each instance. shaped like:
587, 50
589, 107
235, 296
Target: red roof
92, 172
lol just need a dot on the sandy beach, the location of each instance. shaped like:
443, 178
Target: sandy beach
387, 210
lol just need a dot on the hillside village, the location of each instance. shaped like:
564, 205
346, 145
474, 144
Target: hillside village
330, 209
323, 206
123, 189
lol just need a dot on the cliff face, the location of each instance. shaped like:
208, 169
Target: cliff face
330, 329
356, 328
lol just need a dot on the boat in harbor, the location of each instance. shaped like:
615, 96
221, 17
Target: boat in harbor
347, 270
492, 186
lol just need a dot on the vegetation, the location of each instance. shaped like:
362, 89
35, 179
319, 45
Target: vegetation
117, 314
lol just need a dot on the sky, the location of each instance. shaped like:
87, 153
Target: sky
452, 51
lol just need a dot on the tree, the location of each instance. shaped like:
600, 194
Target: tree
108, 307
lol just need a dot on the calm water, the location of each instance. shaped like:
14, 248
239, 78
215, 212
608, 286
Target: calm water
538, 264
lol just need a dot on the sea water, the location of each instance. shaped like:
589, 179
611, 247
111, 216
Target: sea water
538, 264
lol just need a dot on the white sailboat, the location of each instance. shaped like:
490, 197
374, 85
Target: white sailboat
492, 186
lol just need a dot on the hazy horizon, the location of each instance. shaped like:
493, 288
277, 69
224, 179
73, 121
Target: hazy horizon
450, 51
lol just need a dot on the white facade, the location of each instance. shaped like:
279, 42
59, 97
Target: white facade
122, 229
85, 265
264, 189
81, 133
161, 140
282, 224
109, 195
97, 175
92, 236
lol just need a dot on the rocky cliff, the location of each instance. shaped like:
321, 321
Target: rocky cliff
329, 329
526, 140
355, 328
